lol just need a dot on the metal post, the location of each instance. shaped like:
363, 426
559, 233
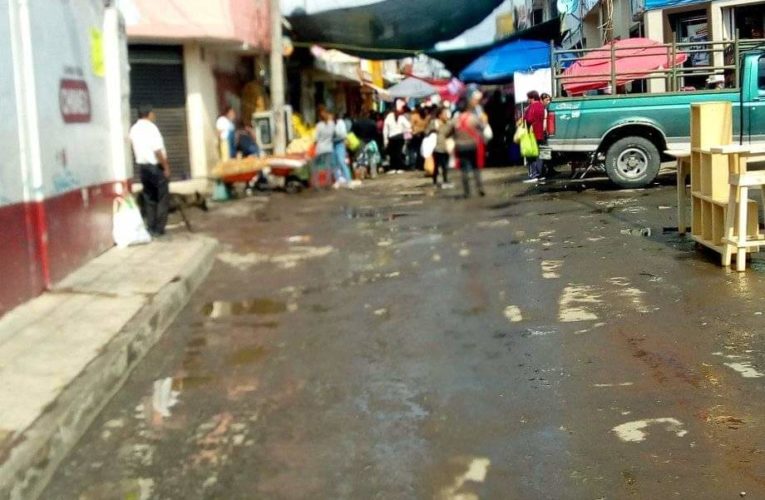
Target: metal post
277, 78
554, 70
613, 69
740, 92
673, 86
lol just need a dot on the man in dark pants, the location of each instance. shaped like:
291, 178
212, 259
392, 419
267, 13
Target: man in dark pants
151, 159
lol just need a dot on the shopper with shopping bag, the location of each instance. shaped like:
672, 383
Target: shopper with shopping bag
535, 118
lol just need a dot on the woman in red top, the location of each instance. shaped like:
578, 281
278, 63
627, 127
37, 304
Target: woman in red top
535, 118
469, 143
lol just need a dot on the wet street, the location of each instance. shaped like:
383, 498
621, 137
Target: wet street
395, 342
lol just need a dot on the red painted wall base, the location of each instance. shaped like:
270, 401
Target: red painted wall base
42, 242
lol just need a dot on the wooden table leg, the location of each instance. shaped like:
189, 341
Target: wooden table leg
682, 198
743, 199
730, 222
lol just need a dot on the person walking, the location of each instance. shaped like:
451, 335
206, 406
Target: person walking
394, 129
340, 151
469, 143
325, 150
535, 119
549, 169
151, 159
227, 133
420, 121
440, 125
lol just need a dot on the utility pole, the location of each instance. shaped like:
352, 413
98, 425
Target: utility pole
277, 78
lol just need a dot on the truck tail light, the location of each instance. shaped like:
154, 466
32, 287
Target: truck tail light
551, 123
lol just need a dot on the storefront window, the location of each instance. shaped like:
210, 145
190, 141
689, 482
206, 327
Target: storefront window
750, 21
693, 27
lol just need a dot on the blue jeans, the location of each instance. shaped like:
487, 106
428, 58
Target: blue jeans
536, 167
341, 166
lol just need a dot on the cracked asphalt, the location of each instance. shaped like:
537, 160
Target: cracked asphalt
556, 341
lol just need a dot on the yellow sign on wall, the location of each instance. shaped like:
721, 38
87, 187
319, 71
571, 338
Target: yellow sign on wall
97, 52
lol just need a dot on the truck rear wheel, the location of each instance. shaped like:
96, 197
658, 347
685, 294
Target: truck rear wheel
632, 162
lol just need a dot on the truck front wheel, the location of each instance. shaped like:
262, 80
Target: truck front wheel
632, 162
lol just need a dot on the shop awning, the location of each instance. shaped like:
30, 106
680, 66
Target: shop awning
389, 29
457, 60
336, 63
243, 22
498, 65
668, 4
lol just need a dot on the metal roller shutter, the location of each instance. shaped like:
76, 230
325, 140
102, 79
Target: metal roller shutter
156, 78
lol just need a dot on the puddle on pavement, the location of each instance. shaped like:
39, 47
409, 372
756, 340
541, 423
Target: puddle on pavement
320, 309
220, 308
248, 355
758, 265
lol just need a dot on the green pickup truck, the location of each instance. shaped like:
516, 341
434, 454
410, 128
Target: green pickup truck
626, 135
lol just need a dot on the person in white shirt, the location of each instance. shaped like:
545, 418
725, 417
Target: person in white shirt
395, 127
151, 159
340, 151
226, 133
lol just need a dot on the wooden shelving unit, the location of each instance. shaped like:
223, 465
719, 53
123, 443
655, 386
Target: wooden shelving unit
712, 125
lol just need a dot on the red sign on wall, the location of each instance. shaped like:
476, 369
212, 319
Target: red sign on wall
74, 101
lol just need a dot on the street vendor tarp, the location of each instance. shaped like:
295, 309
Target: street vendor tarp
498, 65
458, 59
389, 28
412, 88
635, 58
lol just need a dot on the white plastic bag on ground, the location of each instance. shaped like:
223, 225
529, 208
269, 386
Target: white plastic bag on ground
128, 226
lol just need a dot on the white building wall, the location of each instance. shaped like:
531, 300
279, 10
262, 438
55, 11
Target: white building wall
11, 185
654, 30
200, 62
201, 109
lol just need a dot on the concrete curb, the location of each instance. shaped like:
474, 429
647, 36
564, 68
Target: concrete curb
37, 453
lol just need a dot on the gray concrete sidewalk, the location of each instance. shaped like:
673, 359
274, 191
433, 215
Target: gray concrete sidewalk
65, 354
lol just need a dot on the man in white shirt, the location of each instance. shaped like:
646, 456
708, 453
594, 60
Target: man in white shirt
226, 133
151, 159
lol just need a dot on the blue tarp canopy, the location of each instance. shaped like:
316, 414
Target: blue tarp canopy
664, 4
498, 65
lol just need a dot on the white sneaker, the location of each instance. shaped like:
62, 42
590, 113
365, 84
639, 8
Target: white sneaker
533, 180
447, 185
